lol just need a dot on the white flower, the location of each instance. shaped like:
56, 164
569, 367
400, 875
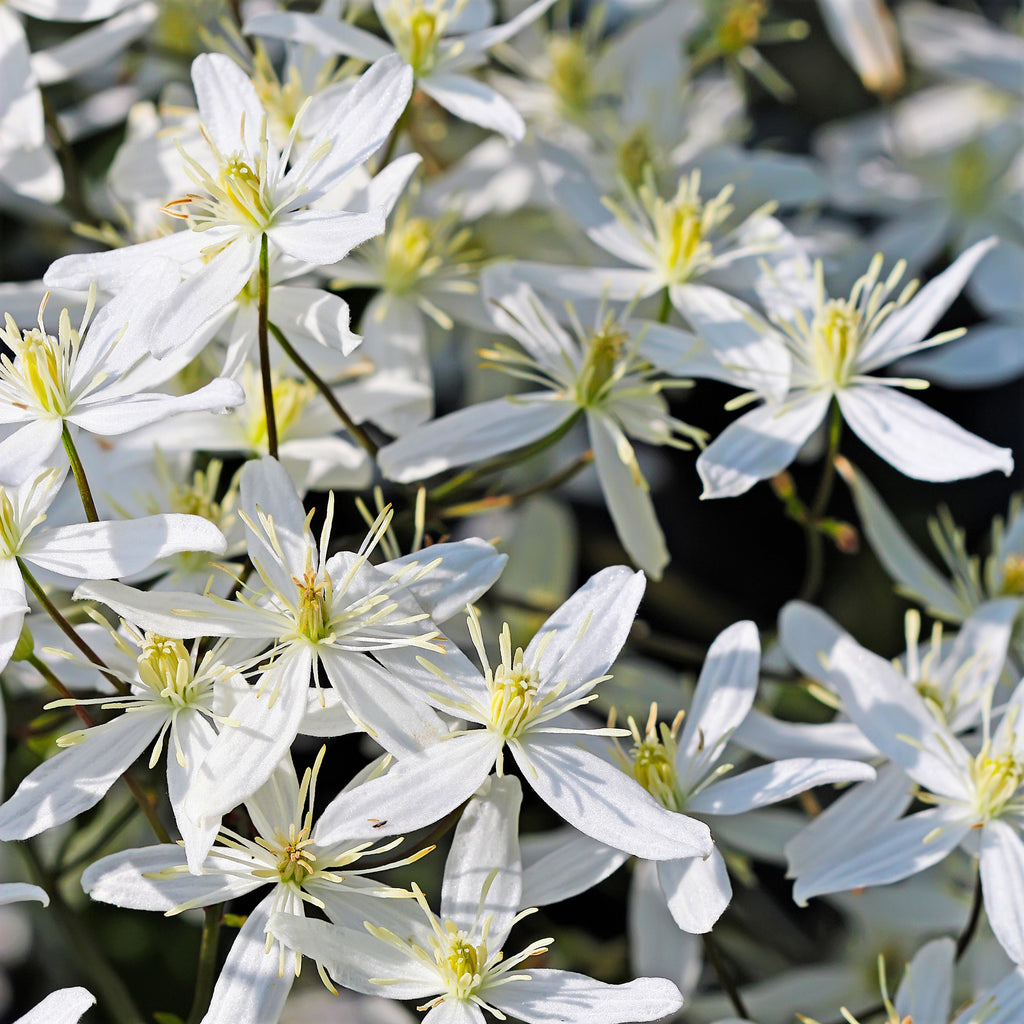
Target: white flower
454, 963
438, 39
834, 347
104, 550
96, 379
606, 374
65, 1006
312, 609
248, 189
255, 978
526, 704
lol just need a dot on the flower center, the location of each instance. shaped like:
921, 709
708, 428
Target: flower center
570, 77
740, 25
1013, 576
459, 961
968, 179
10, 527
836, 340
406, 252
635, 154
513, 690
296, 860
601, 363
282, 100
315, 601
996, 780
165, 666
652, 761
416, 31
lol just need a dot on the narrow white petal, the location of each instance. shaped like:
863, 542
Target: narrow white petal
323, 33
918, 441
485, 849
473, 434
1002, 881
564, 863
266, 490
77, 777
476, 102
551, 996
20, 892
106, 550
626, 492
601, 800
25, 450
229, 107
759, 444
697, 891
770, 783
323, 237
926, 991
417, 791
155, 878
64, 1006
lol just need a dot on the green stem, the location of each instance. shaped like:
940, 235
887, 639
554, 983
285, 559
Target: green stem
500, 462
814, 542
93, 966
68, 630
79, 470
74, 193
262, 303
666, 306
972, 921
134, 787
364, 439
714, 955
206, 972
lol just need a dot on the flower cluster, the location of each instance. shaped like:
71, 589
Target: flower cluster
342, 315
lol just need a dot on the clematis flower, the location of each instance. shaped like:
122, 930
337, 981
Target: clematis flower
685, 772
607, 374
248, 189
176, 699
312, 609
455, 962
104, 550
835, 346
96, 378
438, 39
261, 966
526, 704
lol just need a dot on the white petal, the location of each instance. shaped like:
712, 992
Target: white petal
245, 755
626, 493
323, 237
229, 107
725, 692
926, 991
23, 452
64, 1006
155, 878
551, 996
1002, 881
564, 863
13, 610
196, 736
918, 441
253, 983
897, 553
77, 777
697, 891
770, 783
759, 444
324, 33
866, 35
106, 550
473, 434
903, 849
1003, 1004
601, 800
312, 313
485, 850
904, 329
71, 10
774, 738
266, 490
473, 101
417, 791
19, 892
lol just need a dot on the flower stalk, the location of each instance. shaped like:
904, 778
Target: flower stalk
263, 300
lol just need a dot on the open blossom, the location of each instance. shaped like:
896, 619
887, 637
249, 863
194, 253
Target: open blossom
455, 962
608, 374
309, 609
260, 969
526, 705
834, 347
439, 40
250, 193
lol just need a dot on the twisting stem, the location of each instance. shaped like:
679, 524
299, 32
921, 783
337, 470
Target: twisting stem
814, 541
206, 972
972, 922
79, 470
263, 301
136, 790
68, 630
90, 961
368, 444
714, 955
